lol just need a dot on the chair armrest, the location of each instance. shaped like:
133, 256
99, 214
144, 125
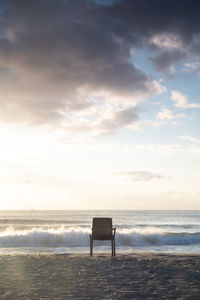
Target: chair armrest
114, 230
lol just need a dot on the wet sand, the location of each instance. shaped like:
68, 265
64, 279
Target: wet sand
63, 276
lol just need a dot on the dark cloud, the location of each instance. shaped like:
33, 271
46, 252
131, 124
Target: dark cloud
127, 116
140, 20
164, 61
123, 79
147, 18
120, 119
57, 55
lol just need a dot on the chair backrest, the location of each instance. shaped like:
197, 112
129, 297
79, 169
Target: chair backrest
102, 228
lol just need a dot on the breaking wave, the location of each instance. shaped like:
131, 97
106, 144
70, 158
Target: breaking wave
78, 237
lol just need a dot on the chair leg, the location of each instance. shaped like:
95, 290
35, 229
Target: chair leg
114, 247
91, 246
112, 243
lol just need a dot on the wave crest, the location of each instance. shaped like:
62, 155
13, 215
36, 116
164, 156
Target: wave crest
78, 237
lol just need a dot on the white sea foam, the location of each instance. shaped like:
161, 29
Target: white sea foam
78, 237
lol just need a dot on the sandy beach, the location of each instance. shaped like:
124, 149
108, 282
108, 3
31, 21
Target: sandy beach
137, 276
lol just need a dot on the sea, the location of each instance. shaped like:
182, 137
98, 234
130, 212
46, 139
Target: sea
67, 231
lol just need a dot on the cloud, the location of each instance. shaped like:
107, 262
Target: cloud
165, 60
167, 41
139, 175
101, 121
163, 26
166, 116
58, 58
57, 55
127, 118
191, 139
190, 67
182, 100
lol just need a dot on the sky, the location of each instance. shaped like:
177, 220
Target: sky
99, 104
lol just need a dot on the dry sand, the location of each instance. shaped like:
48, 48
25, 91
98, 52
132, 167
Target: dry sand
139, 276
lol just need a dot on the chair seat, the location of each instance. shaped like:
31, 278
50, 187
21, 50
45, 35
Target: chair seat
104, 238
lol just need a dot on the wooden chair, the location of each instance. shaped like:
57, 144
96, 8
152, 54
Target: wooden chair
102, 230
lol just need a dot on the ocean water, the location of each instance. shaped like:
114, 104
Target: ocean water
68, 231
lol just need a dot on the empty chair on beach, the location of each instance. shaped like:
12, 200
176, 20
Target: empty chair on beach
102, 230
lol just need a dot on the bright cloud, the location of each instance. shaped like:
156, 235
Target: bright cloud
166, 40
182, 100
167, 115
191, 66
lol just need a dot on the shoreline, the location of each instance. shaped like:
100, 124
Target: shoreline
102, 254
79, 276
